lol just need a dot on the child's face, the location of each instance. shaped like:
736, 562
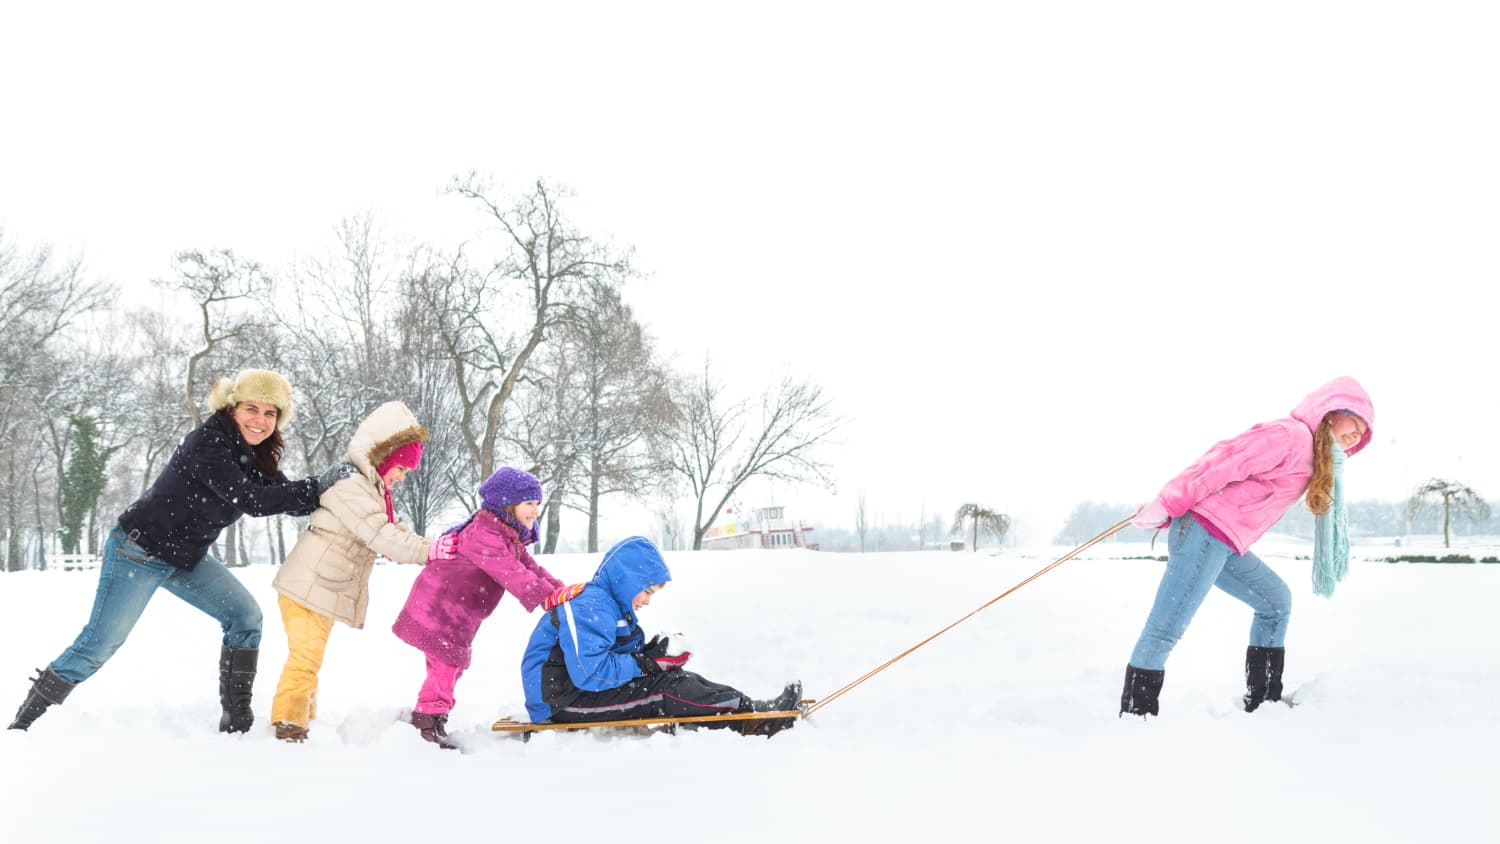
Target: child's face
394, 475
527, 511
1348, 429
643, 597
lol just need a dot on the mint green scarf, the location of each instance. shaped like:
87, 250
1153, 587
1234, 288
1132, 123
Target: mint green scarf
1331, 535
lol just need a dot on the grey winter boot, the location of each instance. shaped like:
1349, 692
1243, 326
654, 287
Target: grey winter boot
236, 680
47, 689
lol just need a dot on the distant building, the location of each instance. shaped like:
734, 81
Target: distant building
764, 527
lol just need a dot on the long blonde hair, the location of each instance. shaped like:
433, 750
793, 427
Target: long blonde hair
1320, 488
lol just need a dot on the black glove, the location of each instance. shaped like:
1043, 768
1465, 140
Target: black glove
648, 665
333, 474
656, 648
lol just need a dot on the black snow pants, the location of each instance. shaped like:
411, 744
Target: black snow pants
670, 694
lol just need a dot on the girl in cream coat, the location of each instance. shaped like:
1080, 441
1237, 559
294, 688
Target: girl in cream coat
326, 577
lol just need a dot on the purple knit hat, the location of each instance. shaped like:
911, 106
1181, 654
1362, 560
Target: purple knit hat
509, 486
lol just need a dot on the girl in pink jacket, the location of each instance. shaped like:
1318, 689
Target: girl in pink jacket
459, 589
1219, 506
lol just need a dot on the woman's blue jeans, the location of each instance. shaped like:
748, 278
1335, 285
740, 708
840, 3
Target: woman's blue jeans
128, 577
1197, 561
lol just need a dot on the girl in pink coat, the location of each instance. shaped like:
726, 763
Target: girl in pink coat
459, 589
1219, 506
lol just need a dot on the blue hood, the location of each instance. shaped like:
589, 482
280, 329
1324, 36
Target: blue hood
629, 567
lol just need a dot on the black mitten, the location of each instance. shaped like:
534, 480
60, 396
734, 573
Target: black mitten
657, 647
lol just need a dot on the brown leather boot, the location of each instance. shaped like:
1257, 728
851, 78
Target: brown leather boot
433, 729
287, 731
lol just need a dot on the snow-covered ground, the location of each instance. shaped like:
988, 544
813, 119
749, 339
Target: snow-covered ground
1004, 728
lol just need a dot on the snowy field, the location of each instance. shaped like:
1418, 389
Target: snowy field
1003, 729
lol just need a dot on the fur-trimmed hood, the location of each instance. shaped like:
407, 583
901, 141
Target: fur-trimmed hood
386, 429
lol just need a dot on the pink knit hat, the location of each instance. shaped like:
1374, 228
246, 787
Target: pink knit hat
409, 455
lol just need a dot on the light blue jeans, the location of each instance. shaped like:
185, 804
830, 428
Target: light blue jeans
128, 577
1195, 562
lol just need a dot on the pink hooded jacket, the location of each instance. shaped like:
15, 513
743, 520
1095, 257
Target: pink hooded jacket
1242, 486
451, 598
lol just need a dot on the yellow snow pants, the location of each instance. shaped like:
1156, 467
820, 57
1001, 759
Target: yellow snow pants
296, 700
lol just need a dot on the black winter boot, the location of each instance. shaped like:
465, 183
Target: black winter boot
236, 680
433, 728
1263, 668
47, 689
784, 702
1142, 688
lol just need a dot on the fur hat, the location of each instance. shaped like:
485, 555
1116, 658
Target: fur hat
509, 486
259, 385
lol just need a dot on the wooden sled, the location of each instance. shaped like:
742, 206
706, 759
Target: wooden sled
642, 725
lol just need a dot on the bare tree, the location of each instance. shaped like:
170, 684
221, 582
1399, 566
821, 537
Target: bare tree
547, 432
984, 519
601, 395
221, 285
714, 448
343, 350
40, 297
492, 322
1455, 498
446, 475
155, 390
80, 384
861, 523
352, 288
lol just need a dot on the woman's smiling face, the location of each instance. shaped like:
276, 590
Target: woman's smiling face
256, 420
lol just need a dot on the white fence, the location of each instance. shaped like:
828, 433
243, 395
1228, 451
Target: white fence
69, 562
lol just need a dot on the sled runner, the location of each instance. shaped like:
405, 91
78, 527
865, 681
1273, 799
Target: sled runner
526, 728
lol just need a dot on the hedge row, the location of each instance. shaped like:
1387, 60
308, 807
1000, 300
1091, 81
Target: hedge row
1446, 558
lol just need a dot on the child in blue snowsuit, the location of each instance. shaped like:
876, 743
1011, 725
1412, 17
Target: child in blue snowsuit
589, 661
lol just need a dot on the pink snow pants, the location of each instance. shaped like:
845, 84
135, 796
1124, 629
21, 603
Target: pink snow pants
436, 696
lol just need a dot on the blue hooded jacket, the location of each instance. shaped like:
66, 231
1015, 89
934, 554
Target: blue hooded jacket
596, 632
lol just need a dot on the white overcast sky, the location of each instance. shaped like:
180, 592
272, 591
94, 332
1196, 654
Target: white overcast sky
1037, 252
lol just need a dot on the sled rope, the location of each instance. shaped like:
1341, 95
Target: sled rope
1107, 533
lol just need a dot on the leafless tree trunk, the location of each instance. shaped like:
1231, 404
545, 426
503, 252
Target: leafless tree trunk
1454, 497
981, 519
427, 388
220, 285
594, 398
491, 323
861, 525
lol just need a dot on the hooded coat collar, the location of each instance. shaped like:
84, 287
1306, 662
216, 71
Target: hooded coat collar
1342, 393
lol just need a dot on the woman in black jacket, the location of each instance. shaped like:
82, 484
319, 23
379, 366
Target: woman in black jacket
225, 468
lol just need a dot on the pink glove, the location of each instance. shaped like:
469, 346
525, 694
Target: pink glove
1151, 516
443, 548
561, 596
